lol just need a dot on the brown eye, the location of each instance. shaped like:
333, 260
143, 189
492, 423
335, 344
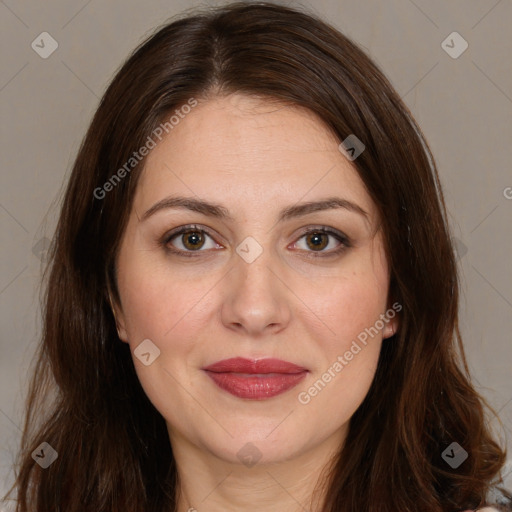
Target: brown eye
188, 240
193, 240
317, 240
323, 241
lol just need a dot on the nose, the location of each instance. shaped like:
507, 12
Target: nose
256, 299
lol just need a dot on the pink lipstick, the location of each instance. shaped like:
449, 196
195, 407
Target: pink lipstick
255, 379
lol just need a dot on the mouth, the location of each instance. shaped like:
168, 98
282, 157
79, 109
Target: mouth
255, 379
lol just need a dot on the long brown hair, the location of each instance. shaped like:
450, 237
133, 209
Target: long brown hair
85, 400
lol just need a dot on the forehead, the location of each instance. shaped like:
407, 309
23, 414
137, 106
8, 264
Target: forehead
243, 151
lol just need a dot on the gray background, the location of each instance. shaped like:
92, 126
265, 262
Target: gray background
463, 105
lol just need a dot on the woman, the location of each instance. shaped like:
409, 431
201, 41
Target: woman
252, 297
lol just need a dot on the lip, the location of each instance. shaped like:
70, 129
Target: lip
255, 379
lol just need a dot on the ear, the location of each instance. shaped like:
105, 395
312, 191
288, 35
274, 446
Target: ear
393, 323
390, 329
119, 318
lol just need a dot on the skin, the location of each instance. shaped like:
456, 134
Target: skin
255, 158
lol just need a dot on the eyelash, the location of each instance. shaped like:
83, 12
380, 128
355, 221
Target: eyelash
345, 242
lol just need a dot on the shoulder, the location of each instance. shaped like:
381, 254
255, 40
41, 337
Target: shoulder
485, 509
488, 509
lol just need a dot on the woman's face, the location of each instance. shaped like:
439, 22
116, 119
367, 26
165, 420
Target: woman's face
253, 278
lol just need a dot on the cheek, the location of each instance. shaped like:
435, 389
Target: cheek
351, 355
173, 314
158, 302
349, 304
349, 350
353, 307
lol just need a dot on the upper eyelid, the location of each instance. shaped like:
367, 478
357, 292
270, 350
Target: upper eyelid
183, 229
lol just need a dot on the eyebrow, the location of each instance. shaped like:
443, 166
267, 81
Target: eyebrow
220, 212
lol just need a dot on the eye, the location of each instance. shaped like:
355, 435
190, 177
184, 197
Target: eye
188, 239
320, 238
